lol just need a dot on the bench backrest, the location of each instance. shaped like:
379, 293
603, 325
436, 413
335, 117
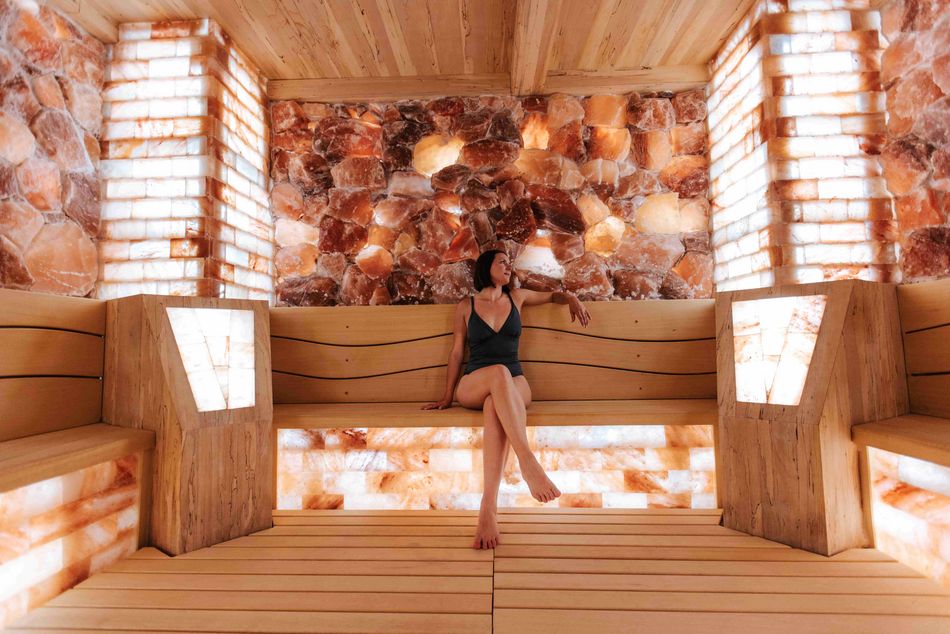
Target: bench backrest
51, 354
631, 350
925, 322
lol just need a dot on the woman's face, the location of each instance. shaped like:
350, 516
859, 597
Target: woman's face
500, 270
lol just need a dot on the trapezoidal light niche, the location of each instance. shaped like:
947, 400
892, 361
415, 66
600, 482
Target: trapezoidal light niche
774, 340
216, 346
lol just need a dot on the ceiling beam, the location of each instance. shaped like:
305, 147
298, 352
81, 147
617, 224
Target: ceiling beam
534, 33
353, 89
672, 78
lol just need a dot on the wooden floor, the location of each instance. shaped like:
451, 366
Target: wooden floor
559, 570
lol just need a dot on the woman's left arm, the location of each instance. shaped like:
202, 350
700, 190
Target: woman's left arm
533, 298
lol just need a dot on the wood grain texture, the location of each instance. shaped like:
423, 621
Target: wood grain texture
791, 473
57, 453
614, 412
40, 351
925, 320
924, 305
39, 310
399, 576
923, 437
197, 497
393, 49
36, 405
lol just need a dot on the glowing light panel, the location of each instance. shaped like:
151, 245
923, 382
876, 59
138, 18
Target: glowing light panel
217, 350
774, 340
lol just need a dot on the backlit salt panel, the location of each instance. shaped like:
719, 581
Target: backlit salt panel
796, 119
57, 532
774, 340
217, 349
910, 506
609, 466
185, 172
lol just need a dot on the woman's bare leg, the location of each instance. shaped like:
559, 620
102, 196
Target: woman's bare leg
510, 406
495, 450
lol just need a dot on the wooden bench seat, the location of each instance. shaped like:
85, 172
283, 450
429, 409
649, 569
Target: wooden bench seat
36, 458
606, 412
923, 437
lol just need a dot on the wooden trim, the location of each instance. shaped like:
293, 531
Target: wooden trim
867, 492
928, 351
535, 30
930, 395
923, 437
45, 352
349, 89
637, 412
924, 305
671, 78
36, 458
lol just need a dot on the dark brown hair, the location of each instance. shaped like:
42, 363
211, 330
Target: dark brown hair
483, 270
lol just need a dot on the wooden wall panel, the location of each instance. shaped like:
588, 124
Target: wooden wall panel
213, 476
630, 350
791, 473
925, 320
51, 358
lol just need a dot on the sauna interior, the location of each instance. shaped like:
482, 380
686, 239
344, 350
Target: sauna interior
233, 235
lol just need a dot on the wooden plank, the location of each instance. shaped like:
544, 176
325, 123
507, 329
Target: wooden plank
471, 521
924, 305
36, 351
545, 621
305, 567
387, 88
927, 350
369, 542
37, 405
779, 553
534, 33
930, 394
733, 602
285, 600
626, 412
720, 583
697, 541
549, 382
704, 567
39, 310
586, 82
572, 529
240, 621
283, 583
420, 553
646, 320
332, 361
737, 540
36, 458
503, 511
148, 553
923, 437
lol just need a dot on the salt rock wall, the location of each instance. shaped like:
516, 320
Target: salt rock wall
603, 196
915, 71
51, 76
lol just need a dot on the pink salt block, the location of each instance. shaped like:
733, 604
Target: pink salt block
605, 110
588, 278
62, 260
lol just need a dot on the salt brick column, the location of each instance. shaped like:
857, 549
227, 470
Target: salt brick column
916, 73
185, 208
796, 126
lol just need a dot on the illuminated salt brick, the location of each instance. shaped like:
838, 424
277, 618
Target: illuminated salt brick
925, 475
169, 67
702, 459
625, 500
450, 459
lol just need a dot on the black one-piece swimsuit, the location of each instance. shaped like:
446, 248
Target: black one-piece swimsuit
487, 347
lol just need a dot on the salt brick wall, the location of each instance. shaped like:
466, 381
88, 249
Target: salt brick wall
916, 73
51, 76
185, 166
797, 123
58, 532
604, 196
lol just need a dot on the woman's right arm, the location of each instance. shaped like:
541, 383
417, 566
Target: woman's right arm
454, 368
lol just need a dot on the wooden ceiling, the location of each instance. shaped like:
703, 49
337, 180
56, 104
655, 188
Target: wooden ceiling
388, 49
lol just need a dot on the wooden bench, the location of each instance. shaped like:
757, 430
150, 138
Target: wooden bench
648, 362
923, 433
51, 390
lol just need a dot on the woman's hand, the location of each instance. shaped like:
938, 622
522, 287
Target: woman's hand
439, 405
578, 311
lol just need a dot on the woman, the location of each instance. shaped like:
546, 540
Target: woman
493, 380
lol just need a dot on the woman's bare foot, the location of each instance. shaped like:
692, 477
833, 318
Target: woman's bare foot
486, 534
540, 485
